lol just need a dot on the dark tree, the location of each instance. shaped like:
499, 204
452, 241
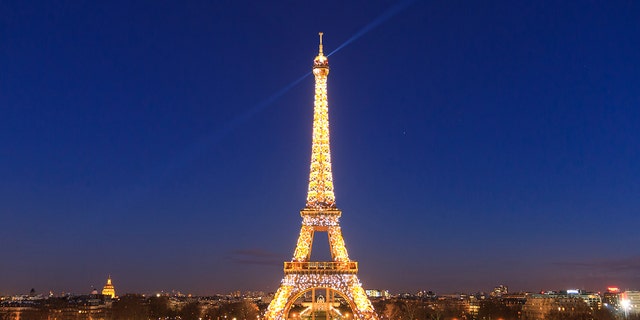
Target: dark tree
159, 308
496, 309
379, 307
131, 307
413, 310
603, 314
577, 310
451, 309
211, 313
34, 314
242, 310
393, 310
190, 311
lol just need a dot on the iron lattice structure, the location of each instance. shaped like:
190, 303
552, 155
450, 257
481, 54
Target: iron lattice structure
320, 215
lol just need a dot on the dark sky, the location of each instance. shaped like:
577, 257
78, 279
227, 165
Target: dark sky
474, 143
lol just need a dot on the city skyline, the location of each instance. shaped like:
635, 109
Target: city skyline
168, 144
108, 289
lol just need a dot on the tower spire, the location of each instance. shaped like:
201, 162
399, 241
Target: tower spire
320, 193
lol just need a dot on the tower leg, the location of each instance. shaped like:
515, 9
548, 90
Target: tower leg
305, 241
279, 303
336, 242
360, 299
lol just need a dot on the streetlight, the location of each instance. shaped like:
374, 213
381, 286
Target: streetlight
626, 305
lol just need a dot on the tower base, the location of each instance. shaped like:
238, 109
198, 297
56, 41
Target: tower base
294, 285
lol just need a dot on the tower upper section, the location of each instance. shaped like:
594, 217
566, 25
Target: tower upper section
320, 63
320, 194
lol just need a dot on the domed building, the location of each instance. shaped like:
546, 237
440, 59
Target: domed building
108, 289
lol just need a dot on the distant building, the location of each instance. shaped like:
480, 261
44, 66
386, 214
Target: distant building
611, 298
593, 300
569, 304
630, 302
426, 294
499, 291
108, 289
374, 293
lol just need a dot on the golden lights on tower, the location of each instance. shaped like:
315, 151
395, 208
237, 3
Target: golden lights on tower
320, 215
320, 193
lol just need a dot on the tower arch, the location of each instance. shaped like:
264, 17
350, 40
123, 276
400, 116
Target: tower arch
328, 300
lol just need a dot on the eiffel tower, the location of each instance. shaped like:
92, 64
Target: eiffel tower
302, 276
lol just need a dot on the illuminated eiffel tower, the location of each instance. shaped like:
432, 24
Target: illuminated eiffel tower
302, 276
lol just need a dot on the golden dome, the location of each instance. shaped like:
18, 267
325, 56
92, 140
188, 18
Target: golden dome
108, 289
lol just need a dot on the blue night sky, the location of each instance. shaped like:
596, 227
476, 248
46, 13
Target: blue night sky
473, 143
